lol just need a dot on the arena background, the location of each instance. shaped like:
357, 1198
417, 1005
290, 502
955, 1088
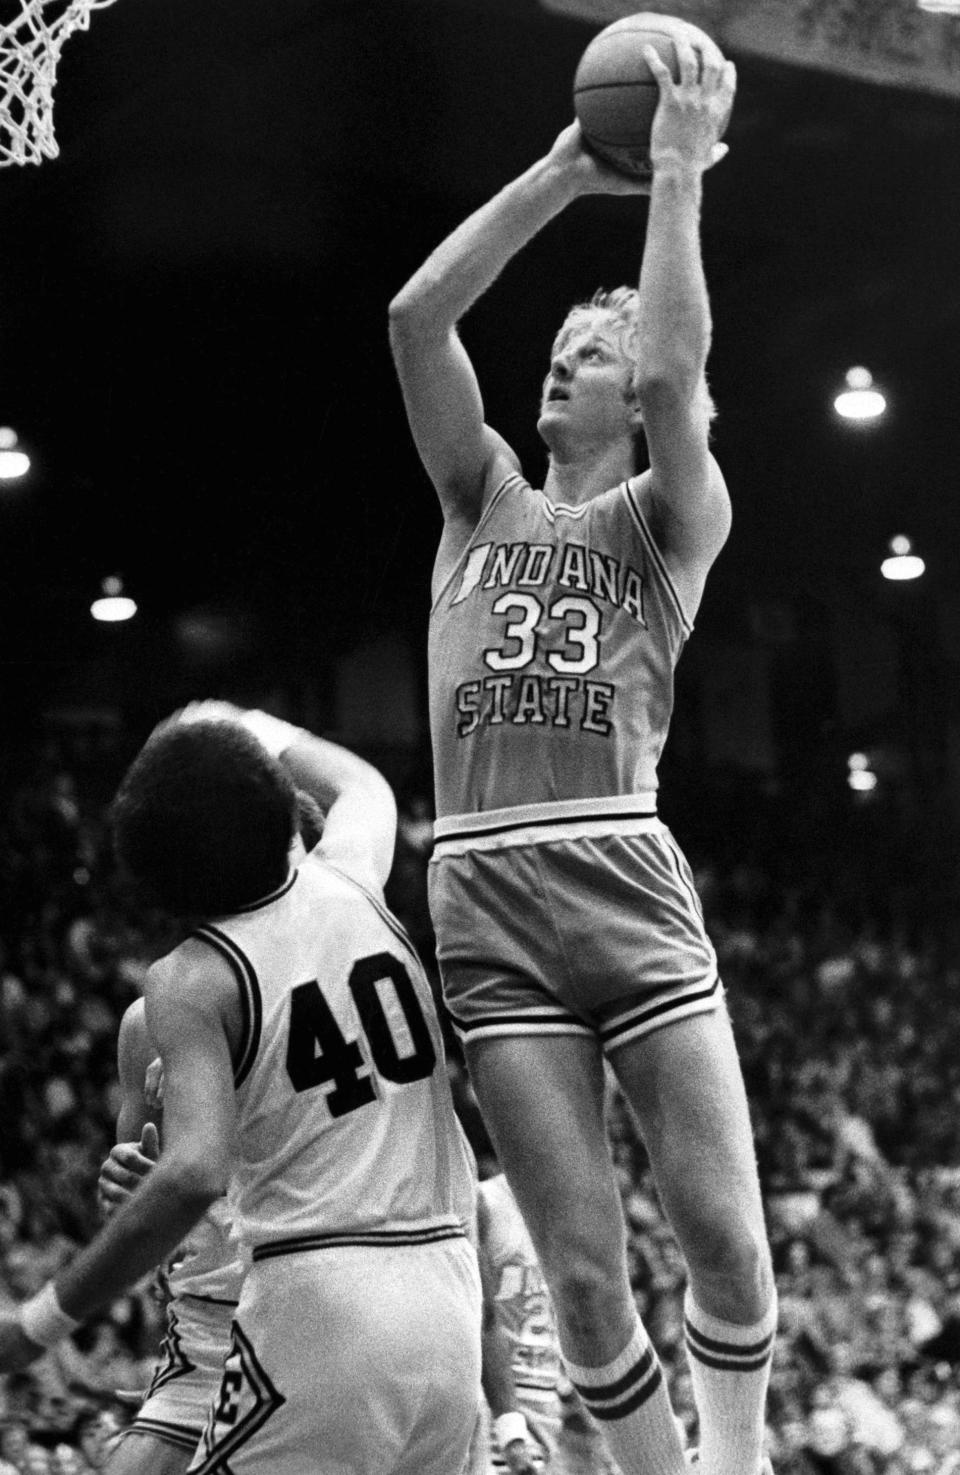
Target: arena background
193, 351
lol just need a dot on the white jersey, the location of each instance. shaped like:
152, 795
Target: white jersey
209, 1264
346, 1128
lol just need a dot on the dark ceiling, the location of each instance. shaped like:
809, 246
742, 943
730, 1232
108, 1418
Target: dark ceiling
193, 322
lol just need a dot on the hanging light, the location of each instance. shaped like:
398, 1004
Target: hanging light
861, 399
113, 605
14, 463
902, 562
860, 776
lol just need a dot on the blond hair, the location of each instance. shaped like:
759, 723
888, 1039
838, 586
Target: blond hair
620, 308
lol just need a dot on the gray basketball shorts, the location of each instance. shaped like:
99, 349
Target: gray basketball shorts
578, 933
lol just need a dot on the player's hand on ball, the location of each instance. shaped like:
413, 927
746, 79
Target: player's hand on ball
17, 1351
692, 113
126, 1165
592, 174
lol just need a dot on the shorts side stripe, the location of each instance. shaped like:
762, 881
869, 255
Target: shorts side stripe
520, 1022
645, 1018
179, 1435
683, 879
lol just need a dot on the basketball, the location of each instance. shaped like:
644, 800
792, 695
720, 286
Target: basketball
615, 94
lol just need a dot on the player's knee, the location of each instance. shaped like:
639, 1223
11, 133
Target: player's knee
589, 1292
732, 1257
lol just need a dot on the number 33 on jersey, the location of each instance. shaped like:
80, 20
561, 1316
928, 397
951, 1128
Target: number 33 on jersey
552, 648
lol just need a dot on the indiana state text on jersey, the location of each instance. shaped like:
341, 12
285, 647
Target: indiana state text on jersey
563, 631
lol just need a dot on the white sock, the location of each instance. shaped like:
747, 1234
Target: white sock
730, 1370
629, 1398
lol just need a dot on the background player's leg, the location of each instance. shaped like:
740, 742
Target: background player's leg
542, 1100
686, 1087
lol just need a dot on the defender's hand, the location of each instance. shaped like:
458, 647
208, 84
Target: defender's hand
590, 175
127, 1164
691, 113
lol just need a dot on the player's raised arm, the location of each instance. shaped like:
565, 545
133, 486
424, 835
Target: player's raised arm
674, 318
360, 813
360, 824
462, 455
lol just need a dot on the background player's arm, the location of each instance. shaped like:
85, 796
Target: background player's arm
686, 487
496, 1353
463, 457
137, 1146
191, 1005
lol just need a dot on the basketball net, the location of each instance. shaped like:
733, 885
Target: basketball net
29, 53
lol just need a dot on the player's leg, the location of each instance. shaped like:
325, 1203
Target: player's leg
685, 1085
145, 1454
542, 1100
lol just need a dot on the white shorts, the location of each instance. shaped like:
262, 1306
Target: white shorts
188, 1371
351, 1361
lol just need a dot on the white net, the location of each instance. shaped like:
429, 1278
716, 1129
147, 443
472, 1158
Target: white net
29, 52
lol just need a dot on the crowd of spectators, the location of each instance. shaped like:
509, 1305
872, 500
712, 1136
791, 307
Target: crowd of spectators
848, 1019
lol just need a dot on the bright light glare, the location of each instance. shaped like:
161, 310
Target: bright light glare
13, 463
940, 7
858, 762
903, 566
861, 400
113, 608
862, 780
903, 562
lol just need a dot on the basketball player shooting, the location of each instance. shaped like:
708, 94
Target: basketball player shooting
567, 922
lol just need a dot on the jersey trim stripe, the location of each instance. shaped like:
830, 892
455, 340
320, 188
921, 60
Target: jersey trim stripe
510, 478
367, 1238
265, 901
207, 1300
656, 555
385, 916
251, 1006
553, 510
524, 824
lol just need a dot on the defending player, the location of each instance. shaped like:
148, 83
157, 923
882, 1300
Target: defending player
301, 1050
566, 917
202, 1280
